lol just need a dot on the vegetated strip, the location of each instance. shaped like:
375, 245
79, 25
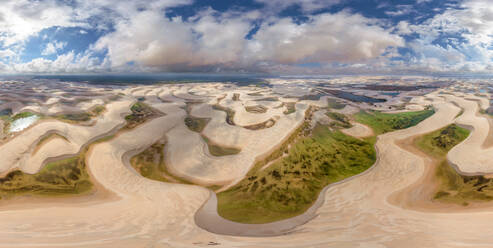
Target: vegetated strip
453, 187
141, 113
385, 122
67, 176
315, 159
151, 164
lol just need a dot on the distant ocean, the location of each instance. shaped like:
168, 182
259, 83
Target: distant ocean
157, 78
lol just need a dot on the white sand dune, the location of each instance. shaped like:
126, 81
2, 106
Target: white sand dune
146, 213
17, 152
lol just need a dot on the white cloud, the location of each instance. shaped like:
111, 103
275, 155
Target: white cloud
212, 40
327, 38
53, 47
65, 63
138, 36
458, 39
23, 18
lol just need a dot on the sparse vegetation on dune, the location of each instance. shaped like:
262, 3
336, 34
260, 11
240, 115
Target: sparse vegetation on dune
307, 162
335, 104
340, 120
218, 150
290, 185
453, 187
384, 122
266, 124
141, 112
64, 177
47, 138
290, 107
257, 109
150, 163
196, 124
22, 115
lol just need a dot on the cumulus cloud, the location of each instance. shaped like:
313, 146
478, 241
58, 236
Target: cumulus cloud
456, 40
53, 48
218, 40
24, 18
137, 35
327, 38
65, 63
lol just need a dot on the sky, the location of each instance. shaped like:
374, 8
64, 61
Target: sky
282, 37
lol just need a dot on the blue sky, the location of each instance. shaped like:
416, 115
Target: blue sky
246, 36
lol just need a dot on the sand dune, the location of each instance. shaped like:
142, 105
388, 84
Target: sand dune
146, 213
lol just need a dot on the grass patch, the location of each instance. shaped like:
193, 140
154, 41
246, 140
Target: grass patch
340, 120
255, 94
141, 112
22, 115
64, 177
218, 150
384, 122
257, 109
196, 124
82, 116
290, 108
266, 124
45, 139
439, 142
453, 187
150, 164
291, 184
268, 99
335, 104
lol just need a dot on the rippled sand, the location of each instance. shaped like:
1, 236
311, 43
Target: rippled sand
138, 212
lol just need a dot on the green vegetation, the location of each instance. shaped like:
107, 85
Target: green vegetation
82, 116
196, 124
335, 104
255, 94
63, 177
150, 164
383, 122
75, 117
460, 113
453, 187
45, 139
290, 107
257, 109
340, 120
218, 150
291, 184
268, 99
141, 112
439, 142
230, 114
7, 117
22, 115
266, 124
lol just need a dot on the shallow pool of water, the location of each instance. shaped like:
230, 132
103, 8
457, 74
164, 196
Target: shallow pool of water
392, 94
22, 123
